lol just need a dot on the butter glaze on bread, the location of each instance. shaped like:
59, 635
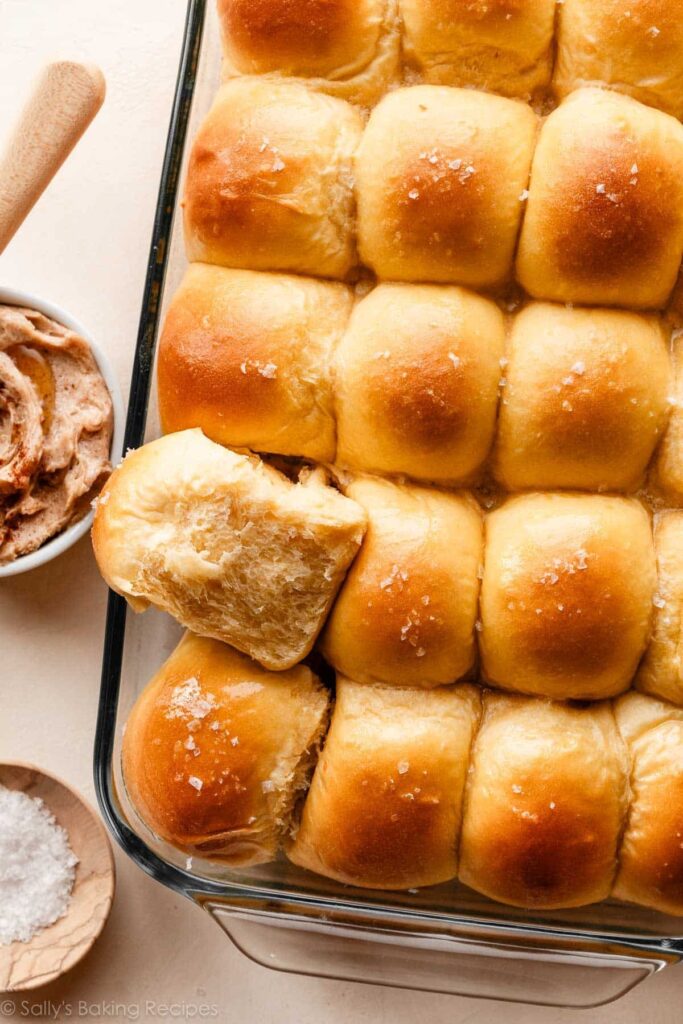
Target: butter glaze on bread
269, 180
187, 526
349, 48
546, 800
566, 599
385, 804
217, 750
635, 46
502, 46
439, 174
406, 612
416, 382
586, 399
246, 357
661, 671
604, 219
651, 855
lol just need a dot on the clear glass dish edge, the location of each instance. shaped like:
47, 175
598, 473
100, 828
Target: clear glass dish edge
373, 919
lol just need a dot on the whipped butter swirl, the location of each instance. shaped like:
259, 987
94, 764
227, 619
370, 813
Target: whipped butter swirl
55, 429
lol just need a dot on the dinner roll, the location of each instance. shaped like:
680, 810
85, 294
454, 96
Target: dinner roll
604, 220
546, 800
586, 398
406, 612
385, 804
416, 380
349, 48
661, 671
439, 174
635, 46
269, 180
246, 357
496, 45
667, 477
227, 545
651, 855
217, 751
566, 599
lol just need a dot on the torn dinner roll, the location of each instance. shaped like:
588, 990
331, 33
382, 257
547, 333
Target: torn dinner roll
226, 544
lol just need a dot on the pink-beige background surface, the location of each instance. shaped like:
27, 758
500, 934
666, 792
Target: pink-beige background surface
85, 248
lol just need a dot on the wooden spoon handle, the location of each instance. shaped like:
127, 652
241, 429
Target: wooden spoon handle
66, 98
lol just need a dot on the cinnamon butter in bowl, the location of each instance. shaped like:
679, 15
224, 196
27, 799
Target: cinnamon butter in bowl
61, 421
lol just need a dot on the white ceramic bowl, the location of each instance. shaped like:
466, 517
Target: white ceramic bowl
52, 548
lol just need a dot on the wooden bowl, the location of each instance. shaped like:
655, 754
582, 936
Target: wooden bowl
53, 951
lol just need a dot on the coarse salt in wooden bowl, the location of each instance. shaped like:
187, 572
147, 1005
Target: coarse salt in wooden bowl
54, 950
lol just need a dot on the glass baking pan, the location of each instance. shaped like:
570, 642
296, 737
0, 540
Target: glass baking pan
444, 939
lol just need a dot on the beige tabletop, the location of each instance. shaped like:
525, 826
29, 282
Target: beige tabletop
85, 247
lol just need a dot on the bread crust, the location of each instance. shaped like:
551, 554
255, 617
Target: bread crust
586, 399
269, 182
348, 48
385, 804
651, 855
502, 46
661, 670
416, 377
216, 750
634, 46
246, 356
438, 196
604, 217
564, 576
546, 801
406, 612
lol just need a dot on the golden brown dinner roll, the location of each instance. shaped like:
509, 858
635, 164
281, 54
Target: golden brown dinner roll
661, 670
585, 401
406, 612
439, 175
416, 382
667, 476
349, 48
385, 804
246, 357
651, 855
217, 750
229, 546
566, 599
498, 45
269, 182
604, 220
635, 46
545, 802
